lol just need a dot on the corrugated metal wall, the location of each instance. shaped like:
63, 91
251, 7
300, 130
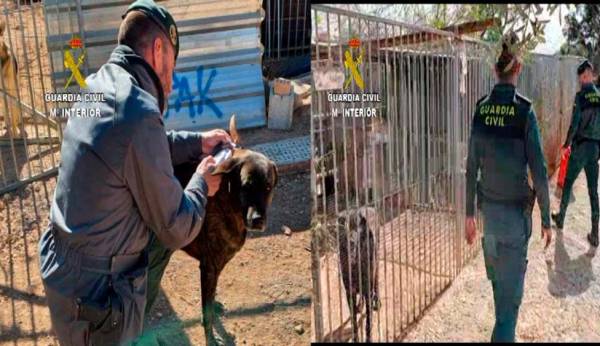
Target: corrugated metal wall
218, 70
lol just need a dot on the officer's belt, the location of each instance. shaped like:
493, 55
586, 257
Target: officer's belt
97, 264
526, 201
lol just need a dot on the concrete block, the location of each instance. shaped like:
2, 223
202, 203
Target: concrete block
281, 108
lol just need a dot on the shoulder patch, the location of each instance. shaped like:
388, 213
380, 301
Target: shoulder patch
522, 98
482, 99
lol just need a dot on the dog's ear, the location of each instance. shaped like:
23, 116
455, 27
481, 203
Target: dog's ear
228, 165
235, 137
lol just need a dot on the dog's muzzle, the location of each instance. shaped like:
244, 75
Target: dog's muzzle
254, 220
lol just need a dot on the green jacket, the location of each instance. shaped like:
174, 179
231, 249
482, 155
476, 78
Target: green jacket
585, 121
504, 142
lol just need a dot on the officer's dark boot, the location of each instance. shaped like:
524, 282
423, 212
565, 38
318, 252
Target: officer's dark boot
593, 235
556, 218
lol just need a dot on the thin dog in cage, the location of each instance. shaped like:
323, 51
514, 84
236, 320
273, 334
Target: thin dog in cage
9, 70
357, 251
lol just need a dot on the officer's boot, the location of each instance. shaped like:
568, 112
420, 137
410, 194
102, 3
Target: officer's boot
556, 218
593, 235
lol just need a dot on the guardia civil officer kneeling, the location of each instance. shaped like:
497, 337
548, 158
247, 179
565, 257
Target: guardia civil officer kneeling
584, 138
116, 195
504, 142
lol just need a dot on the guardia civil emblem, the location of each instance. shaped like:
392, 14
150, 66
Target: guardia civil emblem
173, 34
352, 65
73, 59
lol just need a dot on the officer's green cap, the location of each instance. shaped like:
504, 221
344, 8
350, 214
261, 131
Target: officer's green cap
584, 66
161, 17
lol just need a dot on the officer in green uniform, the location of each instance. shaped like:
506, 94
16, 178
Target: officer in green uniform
505, 140
584, 138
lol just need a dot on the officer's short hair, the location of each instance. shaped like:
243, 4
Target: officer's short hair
138, 31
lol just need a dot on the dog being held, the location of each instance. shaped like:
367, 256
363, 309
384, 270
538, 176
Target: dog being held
358, 265
245, 193
8, 82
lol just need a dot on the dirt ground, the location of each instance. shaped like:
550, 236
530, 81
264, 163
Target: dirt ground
562, 294
265, 289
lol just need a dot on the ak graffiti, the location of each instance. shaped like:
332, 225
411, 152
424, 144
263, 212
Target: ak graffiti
184, 94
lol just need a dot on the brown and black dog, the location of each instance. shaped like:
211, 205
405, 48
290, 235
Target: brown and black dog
246, 191
358, 265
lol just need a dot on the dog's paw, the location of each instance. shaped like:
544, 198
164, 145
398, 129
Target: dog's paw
219, 308
223, 340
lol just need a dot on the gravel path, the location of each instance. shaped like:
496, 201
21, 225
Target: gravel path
562, 294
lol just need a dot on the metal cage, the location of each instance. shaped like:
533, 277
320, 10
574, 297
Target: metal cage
30, 143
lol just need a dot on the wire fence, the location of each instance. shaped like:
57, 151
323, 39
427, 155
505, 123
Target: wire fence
29, 159
388, 190
30, 140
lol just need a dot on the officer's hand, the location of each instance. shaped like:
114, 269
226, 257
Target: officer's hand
470, 230
205, 168
547, 236
213, 138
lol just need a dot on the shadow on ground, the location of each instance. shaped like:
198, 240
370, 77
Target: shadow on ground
571, 276
172, 330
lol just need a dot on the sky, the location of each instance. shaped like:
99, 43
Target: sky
553, 33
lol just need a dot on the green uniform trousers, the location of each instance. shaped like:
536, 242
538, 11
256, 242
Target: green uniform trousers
583, 156
506, 233
158, 258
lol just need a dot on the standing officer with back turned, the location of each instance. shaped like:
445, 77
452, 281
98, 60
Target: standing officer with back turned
505, 140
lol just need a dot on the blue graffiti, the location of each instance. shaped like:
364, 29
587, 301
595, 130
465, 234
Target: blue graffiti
184, 94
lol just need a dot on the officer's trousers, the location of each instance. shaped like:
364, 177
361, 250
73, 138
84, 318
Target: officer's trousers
506, 232
93, 300
583, 156
158, 258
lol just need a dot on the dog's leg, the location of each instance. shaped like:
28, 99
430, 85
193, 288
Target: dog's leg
208, 285
210, 308
374, 275
350, 297
369, 315
355, 308
352, 305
